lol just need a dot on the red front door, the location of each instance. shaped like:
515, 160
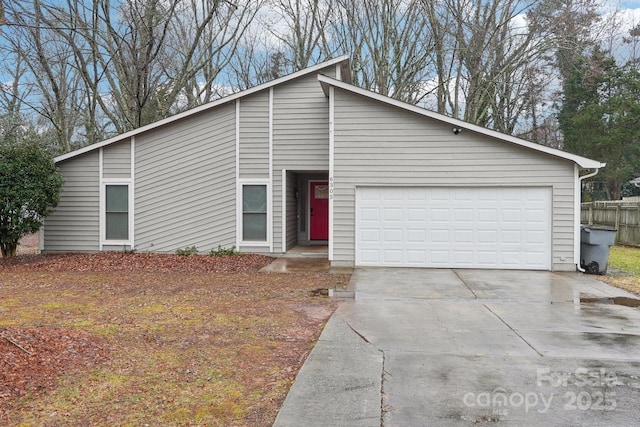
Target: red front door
319, 210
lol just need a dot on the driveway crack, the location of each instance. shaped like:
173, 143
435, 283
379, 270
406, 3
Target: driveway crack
359, 334
465, 284
513, 330
384, 408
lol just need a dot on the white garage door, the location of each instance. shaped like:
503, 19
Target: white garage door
453, 227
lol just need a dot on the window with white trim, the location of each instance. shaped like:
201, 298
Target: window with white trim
254, 213
117, 212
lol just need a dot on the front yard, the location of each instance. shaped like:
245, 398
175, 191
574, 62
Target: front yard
135, 339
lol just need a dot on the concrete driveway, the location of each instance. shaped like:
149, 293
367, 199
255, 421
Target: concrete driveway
420, 347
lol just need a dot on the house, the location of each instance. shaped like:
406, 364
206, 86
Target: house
311, 159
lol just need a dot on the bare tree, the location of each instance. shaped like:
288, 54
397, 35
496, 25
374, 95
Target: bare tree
12, 98
3, 20
48, 58
107, 66
444, 52
389, 42
300, 26
256, 63
498, 47
218, 45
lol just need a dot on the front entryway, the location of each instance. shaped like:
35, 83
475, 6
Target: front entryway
318, 210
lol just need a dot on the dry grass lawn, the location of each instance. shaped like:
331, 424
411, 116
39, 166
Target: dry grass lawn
144, 344
624, 268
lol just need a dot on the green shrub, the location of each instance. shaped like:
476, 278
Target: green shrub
187, 251
223, 251
30, 188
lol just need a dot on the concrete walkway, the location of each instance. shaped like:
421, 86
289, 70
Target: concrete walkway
420, 347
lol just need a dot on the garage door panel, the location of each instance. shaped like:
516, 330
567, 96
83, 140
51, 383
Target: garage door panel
416, 214
511, 259
487, 215
416, 195
392, 214
463, 257
511, 236
390, 195
463, 215
371, 235
392, 256
439, 258
511, 215
536, 258
370, 214
440, 236
417, 236
471, 227
487, 258
370, 256
463, 236
439, 214
535, 215
487, 237
466, 194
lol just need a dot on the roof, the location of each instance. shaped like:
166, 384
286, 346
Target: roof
583, 162
343, 60
325, 81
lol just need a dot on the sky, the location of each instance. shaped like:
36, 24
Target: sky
627, 4
628, 17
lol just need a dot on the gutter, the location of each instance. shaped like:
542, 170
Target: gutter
578, 210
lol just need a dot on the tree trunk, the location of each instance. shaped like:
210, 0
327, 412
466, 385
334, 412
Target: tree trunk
614, 190
8, 249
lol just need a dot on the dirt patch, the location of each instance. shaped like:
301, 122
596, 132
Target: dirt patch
117, 339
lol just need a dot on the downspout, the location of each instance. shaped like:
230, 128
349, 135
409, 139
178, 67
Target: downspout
578, 210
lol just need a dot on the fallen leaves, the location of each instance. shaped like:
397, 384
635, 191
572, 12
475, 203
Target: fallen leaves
126, 262
115, 339
31, 360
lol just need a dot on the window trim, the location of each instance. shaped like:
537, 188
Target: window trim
240, 212
103, 211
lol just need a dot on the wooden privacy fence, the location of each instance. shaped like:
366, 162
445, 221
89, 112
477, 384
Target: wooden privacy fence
621, 215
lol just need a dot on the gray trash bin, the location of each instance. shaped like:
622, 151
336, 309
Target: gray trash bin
594, 248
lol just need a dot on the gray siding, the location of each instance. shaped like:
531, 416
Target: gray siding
300, 126
254, 136
116, 160
378, 144
185, 183
74, 224
292, 211
277, 212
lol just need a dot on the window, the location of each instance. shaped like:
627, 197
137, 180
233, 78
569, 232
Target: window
254, 213
117, 212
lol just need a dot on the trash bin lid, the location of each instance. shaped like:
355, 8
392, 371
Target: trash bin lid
588, 228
